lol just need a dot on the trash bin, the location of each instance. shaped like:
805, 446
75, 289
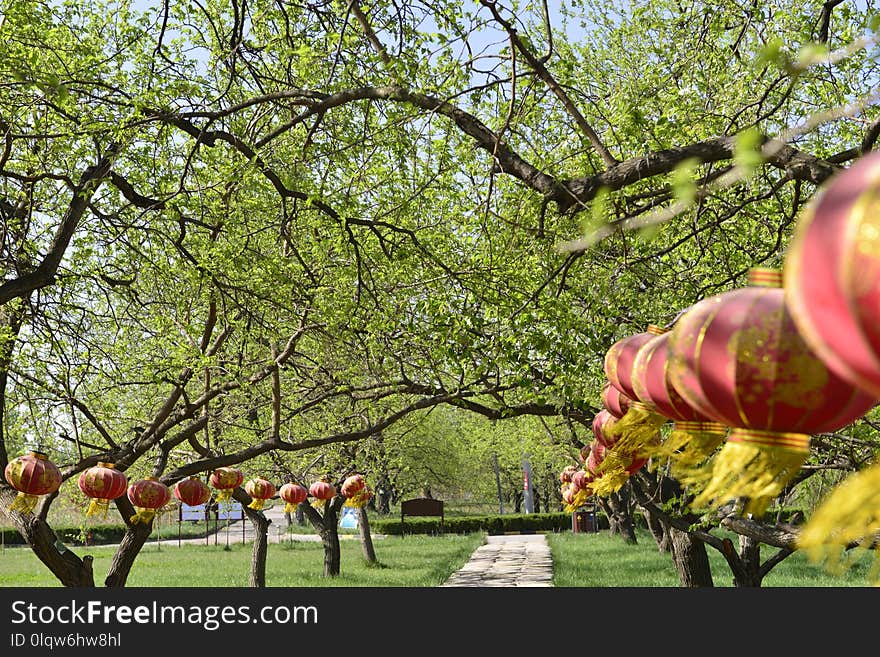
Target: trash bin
583, 521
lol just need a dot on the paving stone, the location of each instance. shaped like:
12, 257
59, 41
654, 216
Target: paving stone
510, 560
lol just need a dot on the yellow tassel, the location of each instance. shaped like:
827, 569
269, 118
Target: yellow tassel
612, 473
224, 495
256, 504
688, 449
144, 516
849, 515
755, 465
290, 508
636, 431
24, 503
97, 506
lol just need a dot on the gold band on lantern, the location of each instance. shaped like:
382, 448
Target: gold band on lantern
765, 277
799, 442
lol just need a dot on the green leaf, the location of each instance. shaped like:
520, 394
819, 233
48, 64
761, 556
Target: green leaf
747, 150
684, 187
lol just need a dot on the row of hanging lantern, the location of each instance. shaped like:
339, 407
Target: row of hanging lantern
746, 377
34, 475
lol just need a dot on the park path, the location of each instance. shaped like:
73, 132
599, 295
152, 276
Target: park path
507, 560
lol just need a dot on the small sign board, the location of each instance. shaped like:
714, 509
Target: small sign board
349, 518
188, 512
229, 511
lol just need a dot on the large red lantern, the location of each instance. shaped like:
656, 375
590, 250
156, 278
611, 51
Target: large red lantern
226, 480
293, 495
260, 490
148, 496
832, 274
32, 475
694, 437
192, 491
103, 483
738, 358
832, 289
639, 426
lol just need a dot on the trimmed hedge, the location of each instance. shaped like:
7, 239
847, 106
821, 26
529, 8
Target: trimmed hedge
100, 534
496, 524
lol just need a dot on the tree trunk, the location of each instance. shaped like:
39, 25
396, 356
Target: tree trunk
620, 519
129, 548
64, 564
750, 556
326, 526
691, 560
366, 537
261, 539
659, 531
745, 568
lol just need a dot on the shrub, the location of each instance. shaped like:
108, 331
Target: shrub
495, 524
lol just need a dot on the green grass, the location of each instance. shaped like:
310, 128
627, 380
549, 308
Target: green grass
412, 561
601, 560
580, 560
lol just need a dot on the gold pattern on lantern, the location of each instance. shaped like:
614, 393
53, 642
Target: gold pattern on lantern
794, 377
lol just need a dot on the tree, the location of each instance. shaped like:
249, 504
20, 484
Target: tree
253, 229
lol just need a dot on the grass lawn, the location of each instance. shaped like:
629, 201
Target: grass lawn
413, 561
580, 560
600, 560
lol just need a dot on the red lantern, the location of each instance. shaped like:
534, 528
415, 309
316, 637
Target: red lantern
638, 428
581, 479
694, 436
832, 274
103, 483
260, 490
597, 455
568, 494
567, 472
226, 480
620, 357
584, 453
322, 490
362, 495
192, 491
32, 475
293, 495
148, 496
832, 289
615, 401
602, 421
353, 485
738, 358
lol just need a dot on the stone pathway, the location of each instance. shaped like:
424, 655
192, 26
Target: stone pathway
508, 560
